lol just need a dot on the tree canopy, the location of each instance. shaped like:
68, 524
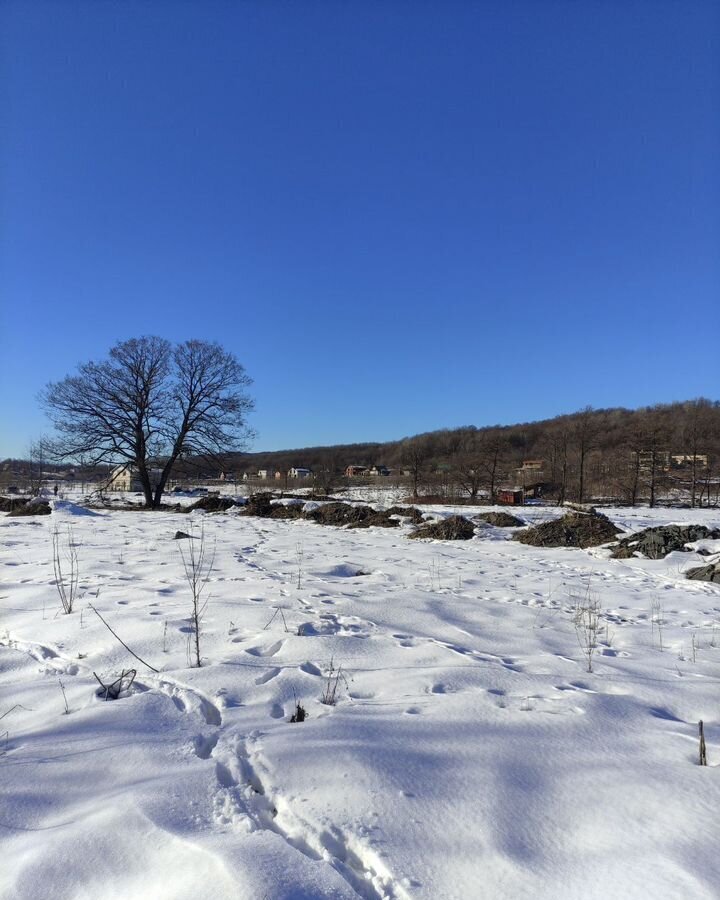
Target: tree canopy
149, 404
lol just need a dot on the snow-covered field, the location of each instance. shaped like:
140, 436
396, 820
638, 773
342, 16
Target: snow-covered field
470, 753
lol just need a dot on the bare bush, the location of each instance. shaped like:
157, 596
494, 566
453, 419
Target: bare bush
335, 677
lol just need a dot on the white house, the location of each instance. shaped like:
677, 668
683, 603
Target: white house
126, 478
299, 472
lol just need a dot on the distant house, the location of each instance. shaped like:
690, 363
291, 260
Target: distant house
263, 473
378, 470
278, 475
127, 478
299, 472
659, 460
681, 460
533, 465
355, 471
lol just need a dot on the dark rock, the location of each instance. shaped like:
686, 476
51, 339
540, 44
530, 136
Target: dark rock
181, 535
574, 529
657, 542
709, 573
455, 528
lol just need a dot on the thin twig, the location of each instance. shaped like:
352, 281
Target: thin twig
17, 706
114, 634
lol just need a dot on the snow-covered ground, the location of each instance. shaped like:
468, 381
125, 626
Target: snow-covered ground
470, 753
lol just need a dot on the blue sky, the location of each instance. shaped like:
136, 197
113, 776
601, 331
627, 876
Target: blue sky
400, 216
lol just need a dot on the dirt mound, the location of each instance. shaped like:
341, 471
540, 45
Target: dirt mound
705, 573
657, 542
10, 504
35, 507
376, 519
286, 511
407, 512
212, 503
258, 505
339, 514
500, 520
574, 529
455, 528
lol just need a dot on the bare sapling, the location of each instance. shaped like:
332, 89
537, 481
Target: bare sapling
62, 688
586, 620
198, 565
65, 566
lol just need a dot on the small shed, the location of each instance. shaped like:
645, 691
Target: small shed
509, 498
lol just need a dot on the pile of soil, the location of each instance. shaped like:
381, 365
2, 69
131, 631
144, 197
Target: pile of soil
407, 512
35, 507
258, 505
10, 504
455, 528
340, 514
705, 573
283, 511
574, 529
378, 519
657, 542
212, 503
500, 520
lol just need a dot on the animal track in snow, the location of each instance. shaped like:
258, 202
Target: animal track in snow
55, 664
310, 669
188, 700
267, 676
244, 800
265, 651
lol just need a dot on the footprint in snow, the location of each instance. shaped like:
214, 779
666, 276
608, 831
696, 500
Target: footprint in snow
310, 669
267, 676
266, 651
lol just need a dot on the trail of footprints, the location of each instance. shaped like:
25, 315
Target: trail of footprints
243, 802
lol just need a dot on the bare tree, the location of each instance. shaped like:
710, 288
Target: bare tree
694, 441
39, 451
151, 403
558, 442
416, 453
585, 433
477, 463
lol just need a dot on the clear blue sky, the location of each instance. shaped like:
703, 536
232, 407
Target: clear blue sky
399, 215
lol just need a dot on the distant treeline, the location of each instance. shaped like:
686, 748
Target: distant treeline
621, 454
668, 451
